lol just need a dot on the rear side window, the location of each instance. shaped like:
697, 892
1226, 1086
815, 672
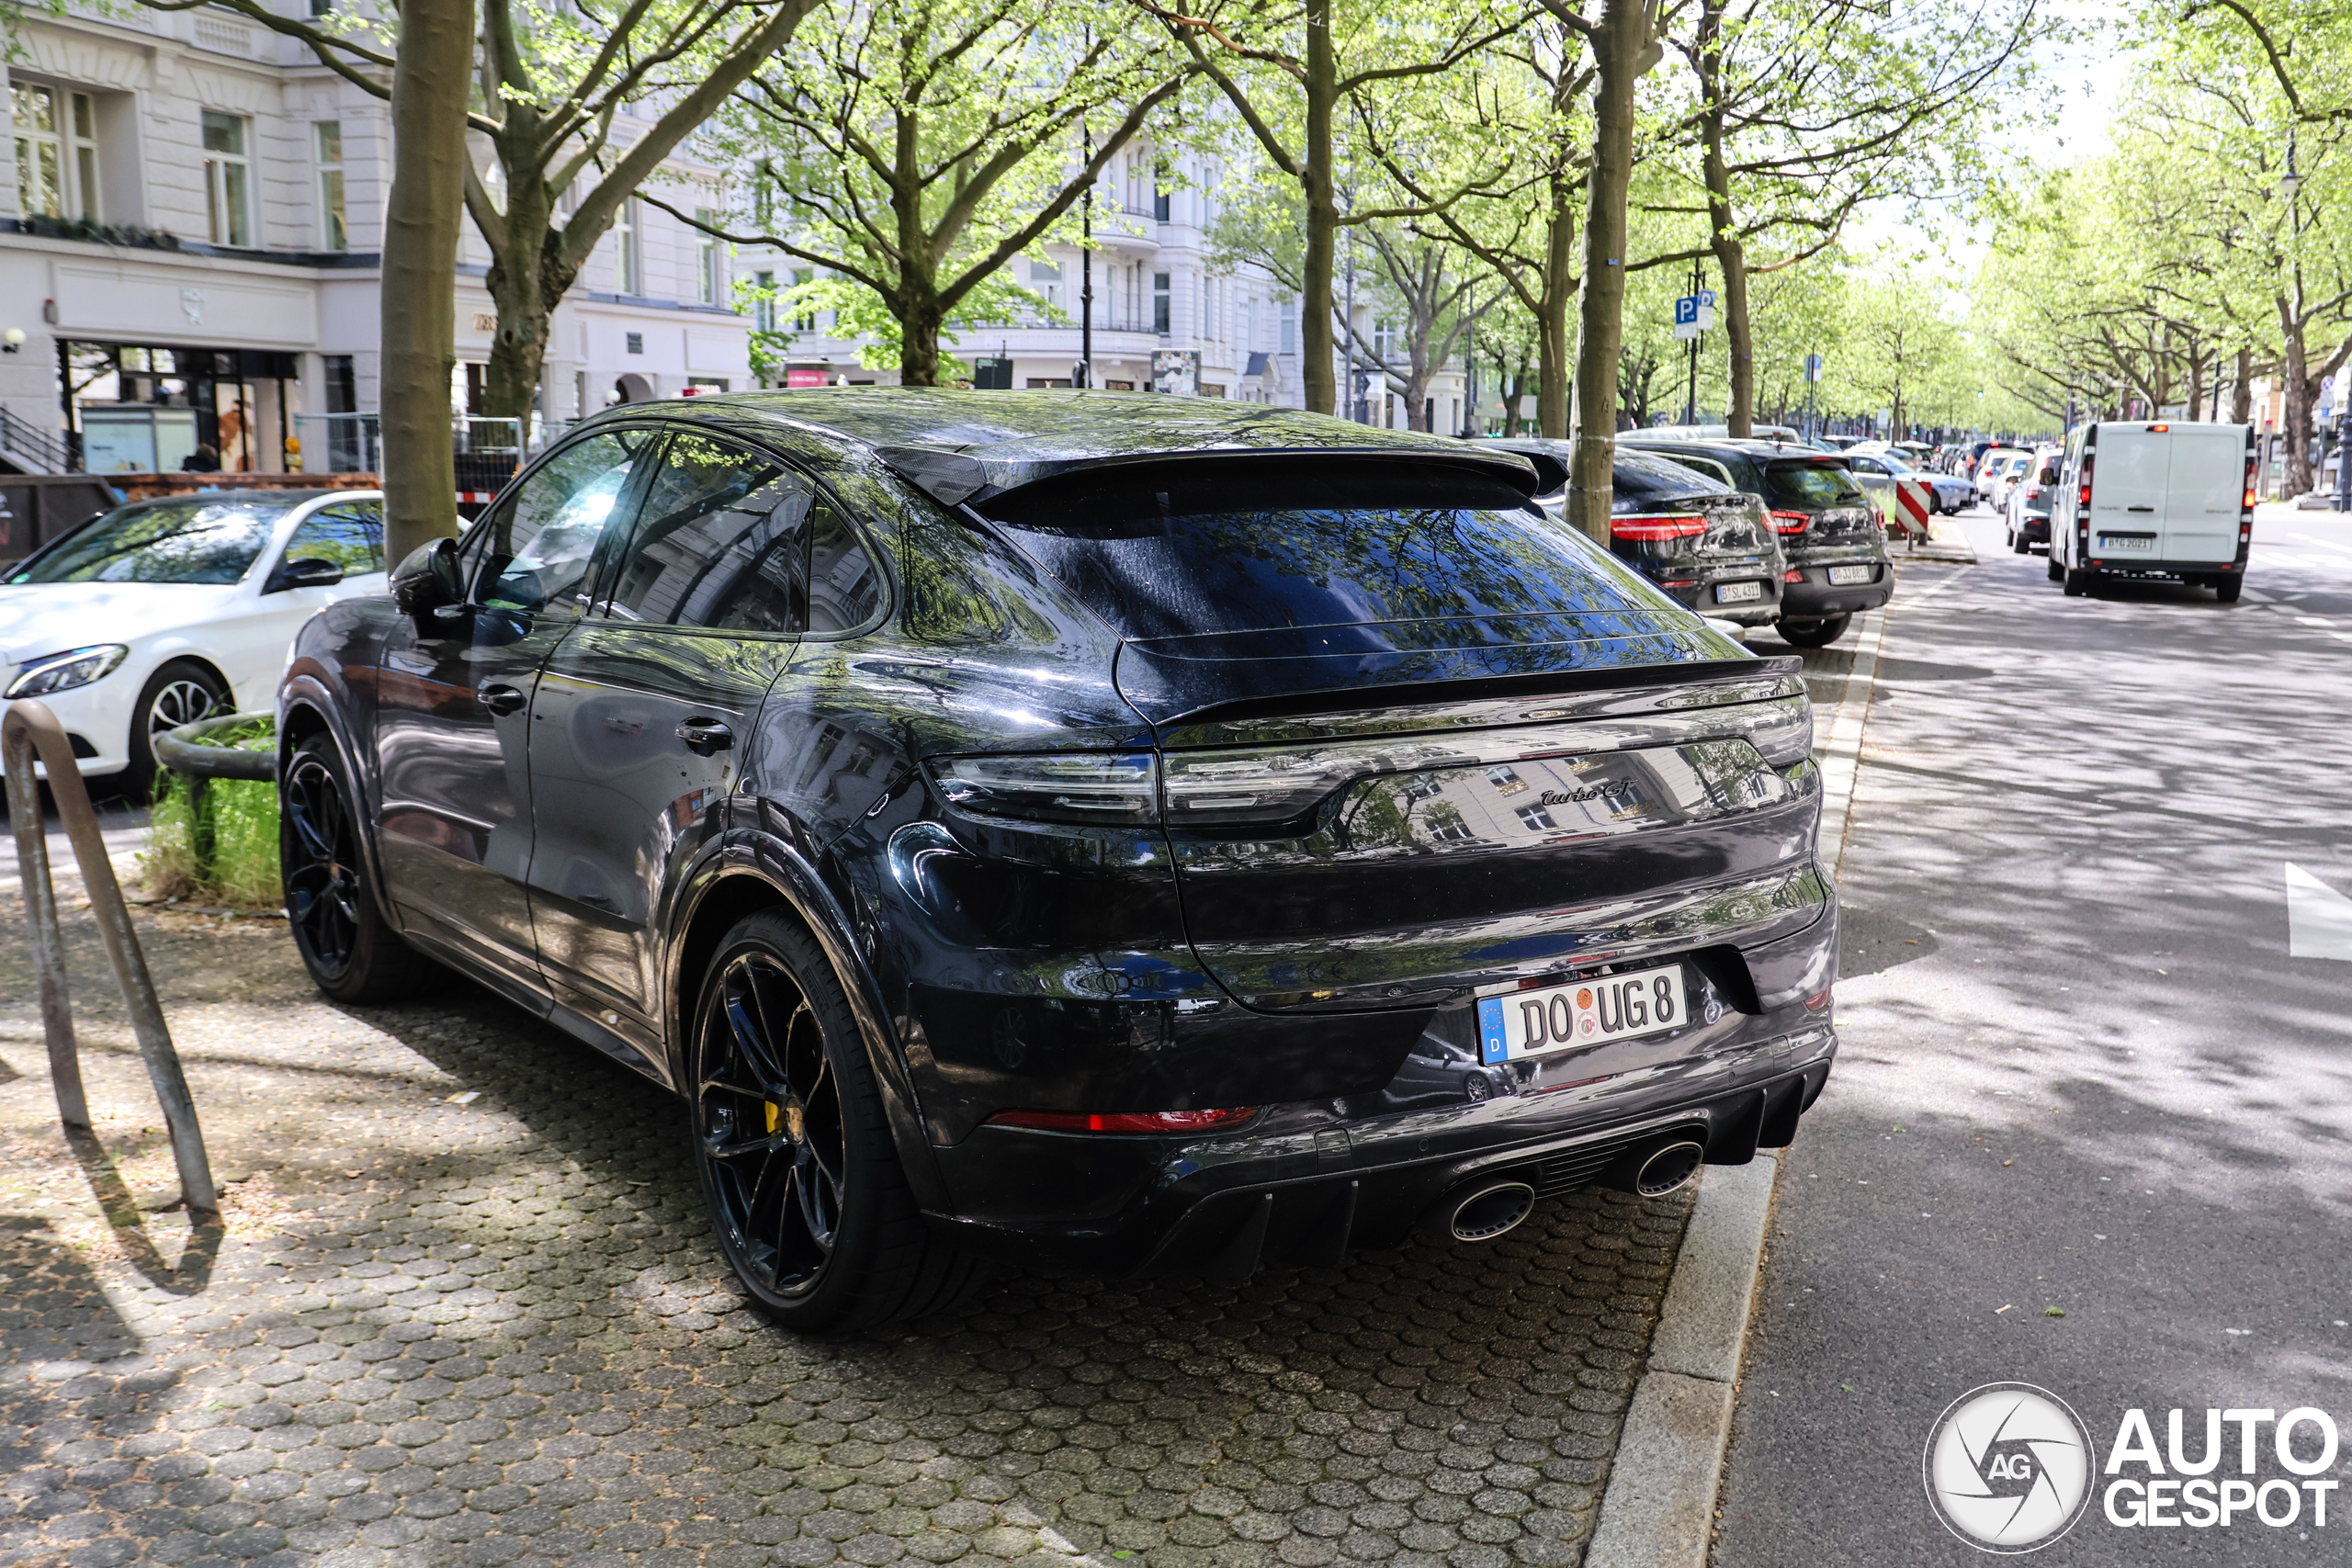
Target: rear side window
1642, 483
718, 543
1810, 487
1203, 546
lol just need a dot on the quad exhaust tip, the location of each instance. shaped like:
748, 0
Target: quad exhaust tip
1668, 1169
1486, 1213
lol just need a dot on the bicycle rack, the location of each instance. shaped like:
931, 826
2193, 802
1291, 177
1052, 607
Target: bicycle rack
30, 726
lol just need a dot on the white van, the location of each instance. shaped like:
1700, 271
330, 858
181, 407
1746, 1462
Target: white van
2171, 499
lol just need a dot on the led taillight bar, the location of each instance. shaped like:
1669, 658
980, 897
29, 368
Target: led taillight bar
1656, 529
1125, 1121
1791, 522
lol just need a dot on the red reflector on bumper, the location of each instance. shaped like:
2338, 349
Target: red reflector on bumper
1125, 1121
1793, 575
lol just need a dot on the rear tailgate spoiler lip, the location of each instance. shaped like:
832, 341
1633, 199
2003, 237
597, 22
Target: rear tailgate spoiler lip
1425, 706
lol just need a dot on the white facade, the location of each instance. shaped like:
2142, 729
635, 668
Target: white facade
270, 174
1165, 316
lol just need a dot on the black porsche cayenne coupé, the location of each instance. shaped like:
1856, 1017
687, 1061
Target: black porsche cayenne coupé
1150, 832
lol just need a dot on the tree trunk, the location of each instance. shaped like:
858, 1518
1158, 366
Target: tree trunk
1619, 45
431, 81
1551, 356
919, 328
519, 281
1740, 335
2242, 390
1511, 384
2297, 381
1316, 183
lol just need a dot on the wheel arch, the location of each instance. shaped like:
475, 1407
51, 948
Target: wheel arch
754, 872
305, 709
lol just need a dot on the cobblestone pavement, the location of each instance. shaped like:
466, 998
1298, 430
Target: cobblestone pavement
464, 1310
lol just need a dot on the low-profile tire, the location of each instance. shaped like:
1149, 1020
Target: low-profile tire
350, 949
804, 1186
2077, 580
179, 692
2226, 589
1818, 633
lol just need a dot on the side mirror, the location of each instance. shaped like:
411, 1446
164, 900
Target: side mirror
428, 586
2049, 477
308, 573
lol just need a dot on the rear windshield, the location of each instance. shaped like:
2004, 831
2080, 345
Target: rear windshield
1809, 487
1642, 482
1182, 549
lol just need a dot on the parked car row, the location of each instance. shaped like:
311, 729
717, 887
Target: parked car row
1142, 833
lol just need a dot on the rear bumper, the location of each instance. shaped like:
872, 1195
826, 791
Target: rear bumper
2106, 566
2036, 529
1307, 1183
1814, 596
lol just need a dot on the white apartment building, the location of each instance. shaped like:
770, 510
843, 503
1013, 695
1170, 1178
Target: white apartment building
1165, 316
190, 214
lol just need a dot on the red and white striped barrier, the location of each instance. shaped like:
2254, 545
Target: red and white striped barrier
1914, 498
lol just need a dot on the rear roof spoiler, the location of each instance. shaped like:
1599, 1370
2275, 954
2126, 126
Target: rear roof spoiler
955, 478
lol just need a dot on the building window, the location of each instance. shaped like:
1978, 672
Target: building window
635, 342
805, 321
322, 8
710, 261
334, 233
1046, 279
228, 179
57, 152
1505, 781
763, 301
1290, 326
1535, 819
1160, 202
1160, 303
625, 268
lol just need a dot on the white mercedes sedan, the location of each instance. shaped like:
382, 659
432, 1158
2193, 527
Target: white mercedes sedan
162, 612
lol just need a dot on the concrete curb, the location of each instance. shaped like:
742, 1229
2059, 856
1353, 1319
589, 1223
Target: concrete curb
1659, 1510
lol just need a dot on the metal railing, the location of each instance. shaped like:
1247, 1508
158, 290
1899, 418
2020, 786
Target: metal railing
32, 727
340, 443
187, 753
52, 449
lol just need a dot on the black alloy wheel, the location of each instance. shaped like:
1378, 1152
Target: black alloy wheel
351, 952
768, 1112
803, 1182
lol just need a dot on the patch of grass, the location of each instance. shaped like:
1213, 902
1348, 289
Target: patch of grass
240, 816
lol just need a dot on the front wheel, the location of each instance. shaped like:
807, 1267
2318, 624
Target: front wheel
350, 949
180, 693
804, 1186
1818, 633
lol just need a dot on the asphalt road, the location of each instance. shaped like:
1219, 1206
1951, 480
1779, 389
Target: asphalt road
2081, 1072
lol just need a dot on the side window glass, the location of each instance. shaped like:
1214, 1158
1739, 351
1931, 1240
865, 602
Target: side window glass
350, 534
845, 585
537, 547
720, 542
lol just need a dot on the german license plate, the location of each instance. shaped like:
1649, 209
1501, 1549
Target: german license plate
1850, 573
2124, 542
1583, 1012
1737, 592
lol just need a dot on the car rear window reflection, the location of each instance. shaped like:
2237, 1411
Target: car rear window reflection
1810, 486
1204, 545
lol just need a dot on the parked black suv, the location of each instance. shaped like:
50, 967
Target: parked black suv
1154, 832
1837, 563
1708, 547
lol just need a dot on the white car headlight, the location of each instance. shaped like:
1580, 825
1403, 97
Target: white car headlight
63, 671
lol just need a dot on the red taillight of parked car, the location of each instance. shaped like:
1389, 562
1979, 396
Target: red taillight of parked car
1656, 529
2083, 498
1125, 1121
1791, 522
1792, 575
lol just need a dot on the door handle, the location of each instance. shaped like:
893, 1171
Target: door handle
2138, 509
704, 736
500, 699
